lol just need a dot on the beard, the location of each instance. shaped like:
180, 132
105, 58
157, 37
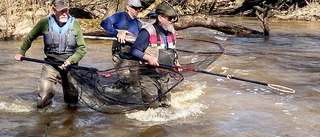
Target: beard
167, 27
63, 19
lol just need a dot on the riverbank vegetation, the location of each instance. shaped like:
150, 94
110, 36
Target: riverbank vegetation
18, 17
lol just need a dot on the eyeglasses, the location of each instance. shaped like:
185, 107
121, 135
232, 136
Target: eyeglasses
171, 18
136, 8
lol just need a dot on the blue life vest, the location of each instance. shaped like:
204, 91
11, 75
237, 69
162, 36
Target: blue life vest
59, 42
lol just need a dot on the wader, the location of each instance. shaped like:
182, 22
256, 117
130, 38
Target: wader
50, 76
60, 43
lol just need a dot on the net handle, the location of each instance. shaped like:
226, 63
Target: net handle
55, 63
272, 86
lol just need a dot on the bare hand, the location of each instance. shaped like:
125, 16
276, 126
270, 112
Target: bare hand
121, 38
179, 66
18, 57
151, 60
65, 65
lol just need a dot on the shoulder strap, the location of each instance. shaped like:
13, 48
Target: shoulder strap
173, 41
158, 34
127, 22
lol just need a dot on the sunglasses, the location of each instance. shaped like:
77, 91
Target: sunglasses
136, 8
170, 18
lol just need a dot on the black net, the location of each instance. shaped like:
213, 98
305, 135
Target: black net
197, 53
141, 87
145, 86
103, 91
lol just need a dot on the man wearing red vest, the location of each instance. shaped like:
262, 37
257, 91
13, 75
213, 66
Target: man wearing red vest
155, 44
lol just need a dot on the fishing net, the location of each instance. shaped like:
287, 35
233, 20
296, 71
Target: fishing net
197, 53
103, 91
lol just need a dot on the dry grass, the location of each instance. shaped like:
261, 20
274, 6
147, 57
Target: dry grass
18, 17
311, 12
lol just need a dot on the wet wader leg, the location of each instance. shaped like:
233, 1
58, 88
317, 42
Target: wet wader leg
128, 79
150, 90
118, 63
69, 86
47, 85
165, 100
134, 82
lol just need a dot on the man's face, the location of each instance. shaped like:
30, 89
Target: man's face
166, 22
133, 11
62, 15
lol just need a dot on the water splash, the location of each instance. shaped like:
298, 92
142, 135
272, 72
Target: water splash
16, 107
183, 104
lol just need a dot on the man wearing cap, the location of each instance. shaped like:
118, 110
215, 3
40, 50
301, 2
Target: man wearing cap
155, 44
121, 25
63, 43
123, 21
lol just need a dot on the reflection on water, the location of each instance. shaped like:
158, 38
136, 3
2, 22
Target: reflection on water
203, 105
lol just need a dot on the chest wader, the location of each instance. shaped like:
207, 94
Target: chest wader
50, 76
165, 57
128, 79
121, 57
157, 83
59, 43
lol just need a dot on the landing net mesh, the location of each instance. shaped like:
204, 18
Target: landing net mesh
197, 53
102, 91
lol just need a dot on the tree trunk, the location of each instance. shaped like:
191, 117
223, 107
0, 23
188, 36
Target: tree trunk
215, 23
150, 8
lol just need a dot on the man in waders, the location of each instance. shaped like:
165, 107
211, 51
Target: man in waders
63, 43
155, 44
123, 25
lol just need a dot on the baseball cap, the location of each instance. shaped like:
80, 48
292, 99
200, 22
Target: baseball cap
134, 3
60, 4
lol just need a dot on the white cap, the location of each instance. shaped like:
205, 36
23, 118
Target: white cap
134, 3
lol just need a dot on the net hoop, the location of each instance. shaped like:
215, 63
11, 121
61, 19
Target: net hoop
281, 88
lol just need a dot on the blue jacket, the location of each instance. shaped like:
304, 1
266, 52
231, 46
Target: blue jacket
122, 21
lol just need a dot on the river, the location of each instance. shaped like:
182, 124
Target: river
202, 105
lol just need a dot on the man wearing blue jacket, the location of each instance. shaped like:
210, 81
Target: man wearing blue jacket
121, 25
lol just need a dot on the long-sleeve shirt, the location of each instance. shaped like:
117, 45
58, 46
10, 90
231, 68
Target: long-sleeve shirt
122, 21
42, 28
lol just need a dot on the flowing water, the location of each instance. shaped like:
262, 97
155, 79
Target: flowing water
203, 105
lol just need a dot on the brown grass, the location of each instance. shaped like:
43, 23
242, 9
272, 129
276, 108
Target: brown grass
311, 12
18, 17
13, 13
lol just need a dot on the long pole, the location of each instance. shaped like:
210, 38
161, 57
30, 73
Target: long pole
273, 86
54, 63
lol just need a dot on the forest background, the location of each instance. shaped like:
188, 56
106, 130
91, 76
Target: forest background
18, 17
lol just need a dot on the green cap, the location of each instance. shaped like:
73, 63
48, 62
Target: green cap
166, 10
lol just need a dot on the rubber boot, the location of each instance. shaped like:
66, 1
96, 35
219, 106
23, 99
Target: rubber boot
44, 101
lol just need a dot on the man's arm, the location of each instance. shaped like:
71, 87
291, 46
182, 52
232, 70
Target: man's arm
108, 24
81, 49
39, 29
140, 44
